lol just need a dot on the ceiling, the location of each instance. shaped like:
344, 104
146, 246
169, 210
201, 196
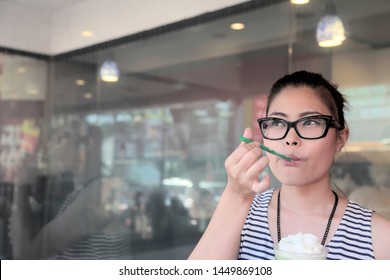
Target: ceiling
365, 22
208, 59
215, 60
48, 6
55, 27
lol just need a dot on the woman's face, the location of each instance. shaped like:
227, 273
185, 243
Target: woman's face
312, 158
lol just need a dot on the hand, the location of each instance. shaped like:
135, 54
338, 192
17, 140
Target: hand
244, 165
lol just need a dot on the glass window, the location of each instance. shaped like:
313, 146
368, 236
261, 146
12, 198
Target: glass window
133, 167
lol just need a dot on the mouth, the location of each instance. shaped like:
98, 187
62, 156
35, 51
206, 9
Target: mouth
293, 158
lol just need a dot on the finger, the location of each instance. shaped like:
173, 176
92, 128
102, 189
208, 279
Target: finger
241, 159
247, 157
247, 134
249, 176
261, 185
242, 149
257, 168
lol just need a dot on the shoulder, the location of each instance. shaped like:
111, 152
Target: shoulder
358, 208
105, 184
381, 236
266, 195
380, 229
261, 201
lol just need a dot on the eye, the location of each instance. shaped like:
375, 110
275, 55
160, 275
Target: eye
313, 122
277, 123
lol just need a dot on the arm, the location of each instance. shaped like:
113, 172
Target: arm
381, 237
221, 240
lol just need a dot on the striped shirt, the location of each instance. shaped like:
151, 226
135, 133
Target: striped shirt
351, 241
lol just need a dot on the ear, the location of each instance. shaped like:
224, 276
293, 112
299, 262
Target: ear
342, 138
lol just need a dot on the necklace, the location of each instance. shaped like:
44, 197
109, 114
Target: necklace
336, 200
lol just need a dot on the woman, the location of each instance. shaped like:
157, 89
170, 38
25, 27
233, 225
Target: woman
305, 121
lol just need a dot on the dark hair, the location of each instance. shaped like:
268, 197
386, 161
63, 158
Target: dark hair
327, 91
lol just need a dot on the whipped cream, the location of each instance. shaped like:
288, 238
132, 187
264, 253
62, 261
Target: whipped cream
301, 243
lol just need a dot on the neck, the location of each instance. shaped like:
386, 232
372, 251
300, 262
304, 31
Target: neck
333, 211
305, 199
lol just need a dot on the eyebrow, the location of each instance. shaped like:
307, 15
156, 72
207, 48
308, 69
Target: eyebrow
303, 114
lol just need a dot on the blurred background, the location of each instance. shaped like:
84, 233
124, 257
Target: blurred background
117, 116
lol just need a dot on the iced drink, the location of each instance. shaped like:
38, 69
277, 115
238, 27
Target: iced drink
301, 246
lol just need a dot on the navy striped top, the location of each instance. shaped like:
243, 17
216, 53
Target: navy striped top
351, 241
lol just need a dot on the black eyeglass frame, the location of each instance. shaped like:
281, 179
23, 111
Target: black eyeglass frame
329, 122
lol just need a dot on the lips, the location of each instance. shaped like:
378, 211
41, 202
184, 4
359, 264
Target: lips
294, 157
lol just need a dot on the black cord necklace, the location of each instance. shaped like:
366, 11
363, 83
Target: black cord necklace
336, 200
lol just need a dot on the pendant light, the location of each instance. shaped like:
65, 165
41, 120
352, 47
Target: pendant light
109, 71
330, 29
299, 2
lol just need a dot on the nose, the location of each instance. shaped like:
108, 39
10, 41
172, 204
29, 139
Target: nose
294, 143
292, 138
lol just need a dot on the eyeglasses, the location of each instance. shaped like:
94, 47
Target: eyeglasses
311, 127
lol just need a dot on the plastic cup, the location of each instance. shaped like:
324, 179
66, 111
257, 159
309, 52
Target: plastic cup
287, 255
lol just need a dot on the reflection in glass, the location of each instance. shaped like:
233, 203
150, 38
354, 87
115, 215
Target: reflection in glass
109, 71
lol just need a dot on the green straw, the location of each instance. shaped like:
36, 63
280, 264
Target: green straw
264, 148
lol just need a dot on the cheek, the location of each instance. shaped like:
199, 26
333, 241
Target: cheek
323, 153
318, 156
329, 145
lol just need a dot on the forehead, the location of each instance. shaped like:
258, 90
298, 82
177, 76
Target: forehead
293, 101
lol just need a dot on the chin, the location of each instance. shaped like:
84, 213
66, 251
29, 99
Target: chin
292, 180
